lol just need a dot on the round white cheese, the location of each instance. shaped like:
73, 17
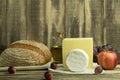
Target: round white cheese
77, 60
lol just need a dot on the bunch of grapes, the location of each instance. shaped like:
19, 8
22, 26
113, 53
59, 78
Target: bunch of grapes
98, 49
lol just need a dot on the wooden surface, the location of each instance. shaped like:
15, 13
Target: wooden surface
39, 75
40, 20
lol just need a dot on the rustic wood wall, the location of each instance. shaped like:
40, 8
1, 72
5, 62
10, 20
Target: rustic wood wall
40, 20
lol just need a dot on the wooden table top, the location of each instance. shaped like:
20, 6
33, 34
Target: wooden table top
39, 75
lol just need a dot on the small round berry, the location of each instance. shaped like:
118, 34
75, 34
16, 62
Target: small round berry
53, 65
98, 70
11, 70
99, 49
109, 47
48, 75
95, 53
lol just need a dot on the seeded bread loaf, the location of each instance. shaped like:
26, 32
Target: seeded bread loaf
25, 53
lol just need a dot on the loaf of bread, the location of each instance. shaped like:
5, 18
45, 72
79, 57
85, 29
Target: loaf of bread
25, 53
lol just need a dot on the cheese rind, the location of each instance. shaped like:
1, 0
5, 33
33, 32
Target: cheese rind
85, 44
77, 60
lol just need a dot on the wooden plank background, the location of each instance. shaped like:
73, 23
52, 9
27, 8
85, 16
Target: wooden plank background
40, 20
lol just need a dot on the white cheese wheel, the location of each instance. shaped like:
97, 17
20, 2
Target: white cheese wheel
77, 60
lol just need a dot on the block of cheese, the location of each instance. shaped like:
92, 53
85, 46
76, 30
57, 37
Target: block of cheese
77, 60
85, 44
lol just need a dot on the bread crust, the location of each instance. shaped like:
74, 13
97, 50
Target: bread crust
25, 53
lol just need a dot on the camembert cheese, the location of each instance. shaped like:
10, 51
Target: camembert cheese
77, 60
69, 44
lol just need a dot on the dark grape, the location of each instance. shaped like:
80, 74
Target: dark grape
99, 49
109, 47
114, 50
11, 70
105, 48
98, 70
95, 53
48, 75
53, 65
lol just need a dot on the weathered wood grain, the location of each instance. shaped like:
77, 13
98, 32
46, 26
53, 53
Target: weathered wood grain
34, 24
3, 27
112, 17
54, 19
94, 17
74, 18
40, 20
15, 21
39, 75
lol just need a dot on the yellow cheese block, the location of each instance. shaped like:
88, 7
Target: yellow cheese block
85, 44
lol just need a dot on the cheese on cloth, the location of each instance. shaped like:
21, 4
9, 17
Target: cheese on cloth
86, 44
77, 60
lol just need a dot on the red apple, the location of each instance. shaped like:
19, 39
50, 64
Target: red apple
108, 59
